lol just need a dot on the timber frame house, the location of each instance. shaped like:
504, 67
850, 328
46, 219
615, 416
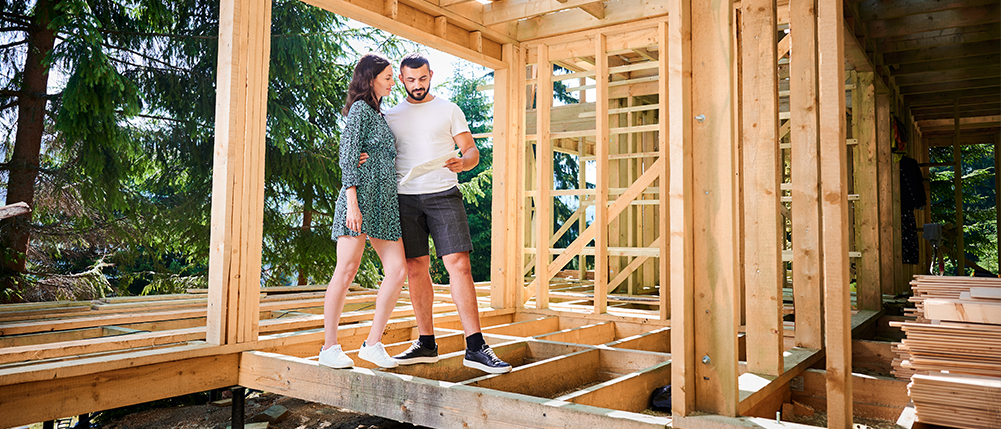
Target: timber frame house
743, 176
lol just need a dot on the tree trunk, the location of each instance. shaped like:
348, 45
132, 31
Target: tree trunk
307, 224
23, 164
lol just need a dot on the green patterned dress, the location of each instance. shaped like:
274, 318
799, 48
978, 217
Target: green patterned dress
367, 131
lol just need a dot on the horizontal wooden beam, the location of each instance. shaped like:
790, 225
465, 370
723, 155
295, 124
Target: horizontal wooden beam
988, 110
947, 76
930, 21
48, 399
754, 388
418, 400
876, 10
515, 10
986, 47
931, 88
950, 64
414, 22
981, 95
948, 36
576, 20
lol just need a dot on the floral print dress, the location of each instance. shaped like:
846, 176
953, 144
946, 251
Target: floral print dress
367, 131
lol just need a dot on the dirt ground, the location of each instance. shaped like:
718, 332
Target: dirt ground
301, 415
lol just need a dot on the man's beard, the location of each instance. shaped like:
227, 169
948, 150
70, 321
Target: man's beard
424, 94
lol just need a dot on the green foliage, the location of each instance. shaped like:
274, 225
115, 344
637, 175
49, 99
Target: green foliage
979, 212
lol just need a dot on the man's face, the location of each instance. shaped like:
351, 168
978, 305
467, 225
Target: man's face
416, 81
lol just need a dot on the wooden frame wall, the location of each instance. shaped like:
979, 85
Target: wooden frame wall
686, 123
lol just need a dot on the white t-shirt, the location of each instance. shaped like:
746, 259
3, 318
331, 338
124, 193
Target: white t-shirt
424, 132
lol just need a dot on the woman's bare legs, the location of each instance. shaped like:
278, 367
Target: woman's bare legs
349, 251
394, 263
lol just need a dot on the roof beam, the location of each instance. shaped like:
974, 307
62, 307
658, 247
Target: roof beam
572, 20
950, 86
935, 21
991, 60
876, 10
944, 52
947, 76
949, 36
962, 114
515, 10
931, 110
971, 96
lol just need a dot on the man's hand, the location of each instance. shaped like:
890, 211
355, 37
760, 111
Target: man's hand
362, 158
455, 165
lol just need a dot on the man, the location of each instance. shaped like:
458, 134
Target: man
427, 127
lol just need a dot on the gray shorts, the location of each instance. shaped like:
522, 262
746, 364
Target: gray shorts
440, 215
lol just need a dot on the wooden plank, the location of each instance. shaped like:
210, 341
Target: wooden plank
663, 142
544, 177
963, 311
68, 396
602, 142
934, 21
949, 36
417, 400
714, 200
598, 333
805, 169
874, 10
865, 169
755, 387
681, 241
415, 21
515, 10
620, 393
884, 159
760, 149
834, 204
577, 20
506, 283
946, 76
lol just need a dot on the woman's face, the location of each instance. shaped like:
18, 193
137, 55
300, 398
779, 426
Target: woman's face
383, 82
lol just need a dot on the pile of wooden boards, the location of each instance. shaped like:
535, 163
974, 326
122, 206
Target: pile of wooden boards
952, 352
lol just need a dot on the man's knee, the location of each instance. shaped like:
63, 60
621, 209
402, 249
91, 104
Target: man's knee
458, 264
418, 267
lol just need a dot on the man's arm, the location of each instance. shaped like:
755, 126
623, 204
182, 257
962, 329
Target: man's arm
470, 154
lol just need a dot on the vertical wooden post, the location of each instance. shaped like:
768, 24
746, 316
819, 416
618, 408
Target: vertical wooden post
681, 260
714, 200
505, 274
868, 289
957, 160
884, 159
997, 193
760, 151
806, 226
544, 177
663, 146
834, 203
601, 143
582, 184
238, 171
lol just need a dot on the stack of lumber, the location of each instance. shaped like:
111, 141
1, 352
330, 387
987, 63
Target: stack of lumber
952, 352
963, 299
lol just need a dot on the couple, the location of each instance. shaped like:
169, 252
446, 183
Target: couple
397, 219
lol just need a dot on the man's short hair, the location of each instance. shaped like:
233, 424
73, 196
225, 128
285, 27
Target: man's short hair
415, 61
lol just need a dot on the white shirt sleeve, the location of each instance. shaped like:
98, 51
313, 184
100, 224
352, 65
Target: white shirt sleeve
459, 124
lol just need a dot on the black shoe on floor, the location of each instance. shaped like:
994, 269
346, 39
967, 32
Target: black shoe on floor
484, 359
417, 354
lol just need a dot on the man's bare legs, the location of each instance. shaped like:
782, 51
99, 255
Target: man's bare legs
463, 293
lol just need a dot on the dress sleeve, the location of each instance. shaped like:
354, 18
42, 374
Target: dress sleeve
350, 149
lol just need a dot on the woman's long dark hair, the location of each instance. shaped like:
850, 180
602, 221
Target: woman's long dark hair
368, 67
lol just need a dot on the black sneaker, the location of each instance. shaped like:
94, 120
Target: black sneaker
417, 354
484, 359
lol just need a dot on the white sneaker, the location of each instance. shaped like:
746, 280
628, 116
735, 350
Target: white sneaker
376, 354
334, 357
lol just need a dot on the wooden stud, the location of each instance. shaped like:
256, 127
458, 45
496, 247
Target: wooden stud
957, 166
805, 169
866, 175
544, 177
440, 26
508, 139
681, 243
760, 151
714, 185
601, 216
476, 41
664, 191
392, 9
834, 203
884, 159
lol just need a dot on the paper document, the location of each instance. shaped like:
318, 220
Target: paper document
429, 166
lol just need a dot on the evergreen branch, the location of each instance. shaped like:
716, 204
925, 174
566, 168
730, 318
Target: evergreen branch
24, 20
17, 28
9, 105
168, 35
13, 44
145, 66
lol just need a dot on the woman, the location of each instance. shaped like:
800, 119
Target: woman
367, 207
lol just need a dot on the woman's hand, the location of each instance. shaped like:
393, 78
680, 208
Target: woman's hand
354, 218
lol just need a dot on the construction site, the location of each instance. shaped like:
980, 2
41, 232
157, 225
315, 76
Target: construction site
740, 230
